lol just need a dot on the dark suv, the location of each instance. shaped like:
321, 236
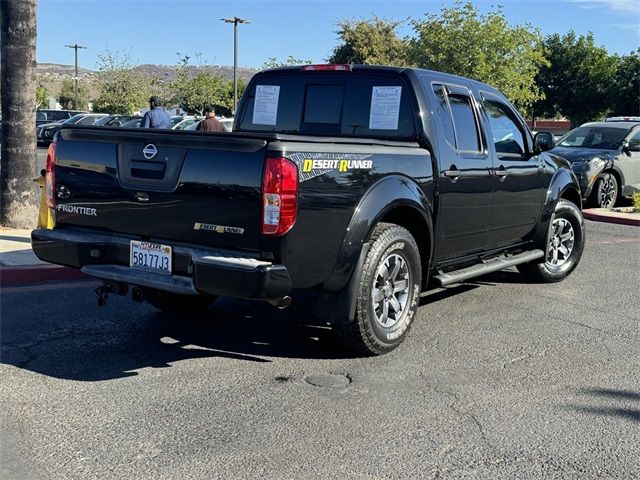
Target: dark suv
51, 116
605, 156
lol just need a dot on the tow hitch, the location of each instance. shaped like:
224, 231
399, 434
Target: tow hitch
103, 294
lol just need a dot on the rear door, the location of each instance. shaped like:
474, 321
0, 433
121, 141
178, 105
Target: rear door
465, 172
182, 187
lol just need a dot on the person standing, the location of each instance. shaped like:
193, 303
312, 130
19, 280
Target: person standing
156, 117
210, 123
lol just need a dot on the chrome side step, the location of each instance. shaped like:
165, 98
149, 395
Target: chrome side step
491, 265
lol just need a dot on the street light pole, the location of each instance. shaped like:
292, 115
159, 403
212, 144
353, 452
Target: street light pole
235, 21
75, 46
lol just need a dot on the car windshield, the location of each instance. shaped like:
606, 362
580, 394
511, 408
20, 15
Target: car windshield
604, 138
74, 119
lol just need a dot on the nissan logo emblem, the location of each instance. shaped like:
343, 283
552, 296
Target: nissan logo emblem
149, 151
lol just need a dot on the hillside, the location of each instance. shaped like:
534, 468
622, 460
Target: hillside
56, 73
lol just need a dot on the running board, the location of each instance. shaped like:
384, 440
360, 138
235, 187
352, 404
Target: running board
488, 266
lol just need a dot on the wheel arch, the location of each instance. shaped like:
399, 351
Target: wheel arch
563, 185
394, 199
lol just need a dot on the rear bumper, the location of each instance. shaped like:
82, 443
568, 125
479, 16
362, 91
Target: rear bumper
195, 270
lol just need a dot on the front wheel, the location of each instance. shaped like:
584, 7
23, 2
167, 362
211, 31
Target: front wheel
565, 244
606, 191
388, 292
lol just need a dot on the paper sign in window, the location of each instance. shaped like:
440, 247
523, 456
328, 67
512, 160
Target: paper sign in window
385, 108
265, 105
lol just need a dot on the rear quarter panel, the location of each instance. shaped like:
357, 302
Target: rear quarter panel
333, 180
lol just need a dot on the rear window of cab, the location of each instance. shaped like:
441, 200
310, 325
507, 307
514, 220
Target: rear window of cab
374, 106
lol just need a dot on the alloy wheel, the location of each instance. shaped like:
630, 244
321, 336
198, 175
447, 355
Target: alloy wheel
560, 242
390, 292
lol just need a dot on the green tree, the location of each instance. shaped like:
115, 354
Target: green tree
625, 92
577, 81
193, 91
291, 61
370, 42
18, 195
67, 98
485, 47
121, 89
42, 91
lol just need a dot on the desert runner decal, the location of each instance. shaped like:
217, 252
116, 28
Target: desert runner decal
218, 228
69, 208
311, 165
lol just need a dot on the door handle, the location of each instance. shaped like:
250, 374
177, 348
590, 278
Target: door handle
501, 173
453, 173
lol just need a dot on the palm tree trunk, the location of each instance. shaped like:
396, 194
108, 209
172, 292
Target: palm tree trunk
18, 153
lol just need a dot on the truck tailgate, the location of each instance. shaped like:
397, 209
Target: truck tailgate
177, 186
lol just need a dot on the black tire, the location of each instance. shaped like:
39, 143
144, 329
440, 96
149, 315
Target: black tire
374, 332
175, 303
606, 191
556, 266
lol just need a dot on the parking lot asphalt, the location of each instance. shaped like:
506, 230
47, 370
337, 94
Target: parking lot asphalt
498, 379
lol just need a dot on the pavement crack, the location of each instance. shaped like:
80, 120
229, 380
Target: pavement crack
454, 406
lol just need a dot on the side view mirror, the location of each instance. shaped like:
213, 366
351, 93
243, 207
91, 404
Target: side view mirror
632, 146
543, 141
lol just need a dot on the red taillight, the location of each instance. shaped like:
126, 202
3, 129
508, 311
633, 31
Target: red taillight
279, 196
50, 176
327, 67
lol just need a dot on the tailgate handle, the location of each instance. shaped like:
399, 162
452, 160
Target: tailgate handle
152, 170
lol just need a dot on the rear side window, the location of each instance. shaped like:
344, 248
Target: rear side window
444, 113
465, 123
349, 104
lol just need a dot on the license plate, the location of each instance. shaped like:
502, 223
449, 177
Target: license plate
150, 257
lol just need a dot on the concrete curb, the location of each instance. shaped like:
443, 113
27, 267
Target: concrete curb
617, 218
37, 273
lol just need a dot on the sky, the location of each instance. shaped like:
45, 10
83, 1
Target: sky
154, 31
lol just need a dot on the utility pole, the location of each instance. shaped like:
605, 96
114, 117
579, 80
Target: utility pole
235, 21
75, 46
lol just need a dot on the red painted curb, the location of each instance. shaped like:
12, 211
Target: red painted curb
634, 222
37, 273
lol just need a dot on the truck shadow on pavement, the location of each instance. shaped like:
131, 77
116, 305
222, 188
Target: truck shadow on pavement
610, 396
110, 344
122, 338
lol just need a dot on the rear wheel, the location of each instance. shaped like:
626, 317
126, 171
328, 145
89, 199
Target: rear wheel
388, 292
175, 303
565, 244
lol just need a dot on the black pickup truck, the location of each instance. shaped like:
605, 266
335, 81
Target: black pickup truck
361, 184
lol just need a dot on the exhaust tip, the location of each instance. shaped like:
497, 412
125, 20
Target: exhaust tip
281, 303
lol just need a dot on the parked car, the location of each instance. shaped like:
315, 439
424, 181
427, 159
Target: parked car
622, 119
186, 122
175, 119
114, 120
134, 123
605, 156
360, 184
48, 130
51, 116
227, 123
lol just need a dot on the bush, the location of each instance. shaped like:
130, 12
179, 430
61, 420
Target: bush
636, 202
